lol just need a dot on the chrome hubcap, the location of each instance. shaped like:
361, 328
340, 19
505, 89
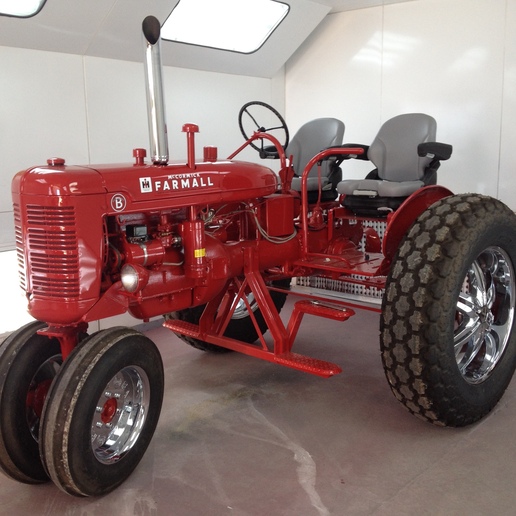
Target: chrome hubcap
484, 316
120, 414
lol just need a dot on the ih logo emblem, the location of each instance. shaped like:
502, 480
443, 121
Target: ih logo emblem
145, 185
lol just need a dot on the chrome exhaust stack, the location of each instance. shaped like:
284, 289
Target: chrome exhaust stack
154, 85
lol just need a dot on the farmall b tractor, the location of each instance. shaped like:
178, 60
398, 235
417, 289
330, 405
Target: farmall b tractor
212, 245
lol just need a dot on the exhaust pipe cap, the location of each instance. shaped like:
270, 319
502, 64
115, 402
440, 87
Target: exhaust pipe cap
151, 29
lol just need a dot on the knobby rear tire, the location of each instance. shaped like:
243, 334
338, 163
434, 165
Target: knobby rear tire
448, 343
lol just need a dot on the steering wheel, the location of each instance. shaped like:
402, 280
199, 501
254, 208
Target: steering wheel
248, 118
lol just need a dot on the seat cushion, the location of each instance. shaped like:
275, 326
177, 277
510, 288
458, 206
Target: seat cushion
311, 138
394, 150
377, 187
377, 207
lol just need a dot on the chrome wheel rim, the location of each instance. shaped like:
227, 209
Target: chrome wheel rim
484, 316
241, 310
120, 414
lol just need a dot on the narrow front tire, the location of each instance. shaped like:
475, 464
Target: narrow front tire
101, 412
28, 364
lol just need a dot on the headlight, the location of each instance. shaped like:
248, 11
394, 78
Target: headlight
134, 277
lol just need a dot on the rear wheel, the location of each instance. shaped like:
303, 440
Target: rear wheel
447, 339
241, 326
101, 412
28, 364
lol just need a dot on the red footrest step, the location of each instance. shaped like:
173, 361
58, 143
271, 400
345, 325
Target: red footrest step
308, 364
322, 310
183, 327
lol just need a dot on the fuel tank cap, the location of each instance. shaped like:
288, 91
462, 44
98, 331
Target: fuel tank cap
55, 162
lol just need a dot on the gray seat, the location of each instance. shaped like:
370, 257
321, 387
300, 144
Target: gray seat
311, 138
406, 157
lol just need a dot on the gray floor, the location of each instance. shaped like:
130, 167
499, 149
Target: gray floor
238, 436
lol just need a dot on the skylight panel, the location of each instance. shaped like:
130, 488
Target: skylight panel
235, 25
21, 8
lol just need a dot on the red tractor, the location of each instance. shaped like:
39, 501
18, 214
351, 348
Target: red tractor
212, 245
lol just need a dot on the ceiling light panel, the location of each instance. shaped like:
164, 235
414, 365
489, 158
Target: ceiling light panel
21, 8
234, 25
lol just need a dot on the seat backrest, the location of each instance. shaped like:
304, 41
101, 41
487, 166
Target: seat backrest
394, 150
311, 138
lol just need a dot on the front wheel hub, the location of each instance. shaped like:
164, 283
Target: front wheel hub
119, 415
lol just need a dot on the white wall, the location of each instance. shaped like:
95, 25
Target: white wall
93, 110
455, 60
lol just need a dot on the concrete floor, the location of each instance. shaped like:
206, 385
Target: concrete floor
242, 437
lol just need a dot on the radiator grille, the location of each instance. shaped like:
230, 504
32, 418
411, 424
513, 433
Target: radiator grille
19, 245
52, 251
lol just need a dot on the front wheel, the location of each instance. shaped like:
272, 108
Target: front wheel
101, 412
28, 364
447, 328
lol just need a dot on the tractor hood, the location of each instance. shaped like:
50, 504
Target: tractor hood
206, 182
